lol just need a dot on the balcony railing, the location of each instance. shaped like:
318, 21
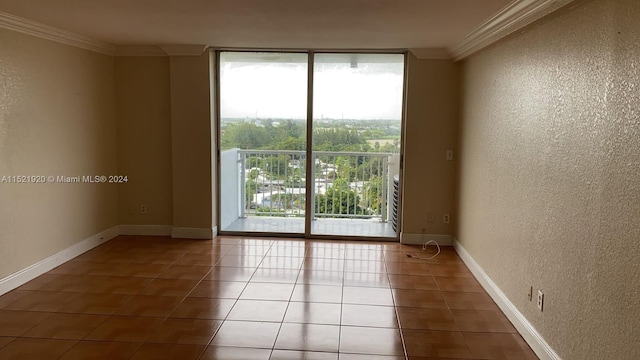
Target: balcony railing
345, 184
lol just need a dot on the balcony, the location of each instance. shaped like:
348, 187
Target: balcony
265, 191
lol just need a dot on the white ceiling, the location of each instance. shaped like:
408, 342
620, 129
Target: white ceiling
284, 24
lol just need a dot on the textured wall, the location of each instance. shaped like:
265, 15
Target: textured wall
430, 129
550, 175
143, 110
56, 118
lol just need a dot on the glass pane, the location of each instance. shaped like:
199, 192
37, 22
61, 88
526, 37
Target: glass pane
263, 110
357, 111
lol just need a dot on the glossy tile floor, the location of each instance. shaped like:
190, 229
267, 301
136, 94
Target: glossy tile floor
242, 298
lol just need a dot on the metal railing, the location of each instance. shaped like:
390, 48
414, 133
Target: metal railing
345, 184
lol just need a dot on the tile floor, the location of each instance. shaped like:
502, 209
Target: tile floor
255, 298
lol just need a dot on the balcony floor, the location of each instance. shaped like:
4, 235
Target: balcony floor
334, 227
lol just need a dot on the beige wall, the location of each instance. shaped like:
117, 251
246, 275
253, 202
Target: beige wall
430, 130
143, 110
191, 141
550, 175
56, 118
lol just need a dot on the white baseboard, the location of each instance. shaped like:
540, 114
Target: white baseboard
193, 233
524, 327
29, 273
147, 230
419, 239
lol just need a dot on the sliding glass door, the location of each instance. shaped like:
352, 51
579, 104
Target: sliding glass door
342, 182
357, 118
263, 111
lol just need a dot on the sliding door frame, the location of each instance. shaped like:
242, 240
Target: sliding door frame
309, 206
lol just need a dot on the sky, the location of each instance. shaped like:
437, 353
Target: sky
346, 86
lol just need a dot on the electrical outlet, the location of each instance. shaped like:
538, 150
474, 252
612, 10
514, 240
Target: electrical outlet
540, 300
430, 217
530, 293
446, 218
143, 209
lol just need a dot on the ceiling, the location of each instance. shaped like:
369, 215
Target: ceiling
282, 24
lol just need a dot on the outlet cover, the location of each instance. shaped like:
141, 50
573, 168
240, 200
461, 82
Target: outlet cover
540, 300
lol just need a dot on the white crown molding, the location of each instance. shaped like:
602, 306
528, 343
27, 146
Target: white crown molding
515, 16
39, 30
431, 53
183, 50
537, 343
143, 50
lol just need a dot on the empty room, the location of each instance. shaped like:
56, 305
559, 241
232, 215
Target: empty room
339, 180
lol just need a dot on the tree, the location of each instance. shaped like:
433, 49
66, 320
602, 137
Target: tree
339, 200
244, 136
372, 195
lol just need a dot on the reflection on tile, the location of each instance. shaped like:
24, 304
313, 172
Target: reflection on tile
320, 277
235, 353
366, 279
230, 274
247, 334
367, 296
285, 276
369, 340
267, 291
246, 261
218, 289
313, 313
281, 262
258, 310
317, 293
141, 297
302, 355
308, 337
